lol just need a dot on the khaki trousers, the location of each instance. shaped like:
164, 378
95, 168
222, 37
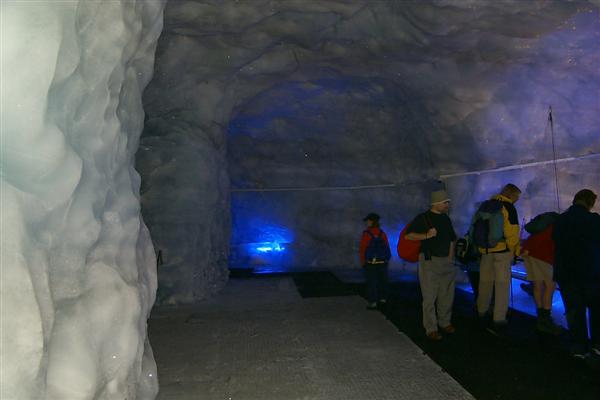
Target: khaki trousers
495, 273
437, 278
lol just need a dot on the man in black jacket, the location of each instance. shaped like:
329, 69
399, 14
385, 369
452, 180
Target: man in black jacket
577, 271
437, 273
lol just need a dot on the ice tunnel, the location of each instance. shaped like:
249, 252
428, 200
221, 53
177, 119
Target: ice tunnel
147, 146
286, 122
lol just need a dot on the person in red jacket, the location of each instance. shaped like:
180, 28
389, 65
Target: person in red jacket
374, 254
538, 253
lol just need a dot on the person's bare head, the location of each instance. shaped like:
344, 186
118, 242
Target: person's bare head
585, 198
511, 191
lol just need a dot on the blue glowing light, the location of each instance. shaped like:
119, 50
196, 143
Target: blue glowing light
270, 247
257, 241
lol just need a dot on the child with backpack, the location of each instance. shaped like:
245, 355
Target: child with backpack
437, 273
374, 253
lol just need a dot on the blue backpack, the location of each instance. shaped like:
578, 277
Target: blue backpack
378, 250
487, 226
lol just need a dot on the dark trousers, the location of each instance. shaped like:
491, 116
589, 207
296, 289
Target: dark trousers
578, 299
377, 281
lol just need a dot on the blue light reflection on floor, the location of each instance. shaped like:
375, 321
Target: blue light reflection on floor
269, 248
259, 242
270, 270
521, 301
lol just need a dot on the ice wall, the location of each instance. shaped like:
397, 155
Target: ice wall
77, 263
332, 109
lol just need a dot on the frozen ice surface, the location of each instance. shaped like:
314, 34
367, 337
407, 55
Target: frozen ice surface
77, 263
326, 94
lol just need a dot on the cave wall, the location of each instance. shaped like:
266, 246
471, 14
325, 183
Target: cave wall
286, 121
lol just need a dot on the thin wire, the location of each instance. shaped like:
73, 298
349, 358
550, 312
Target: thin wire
408, 182
551, 122
318, 188
417, 181
520, 166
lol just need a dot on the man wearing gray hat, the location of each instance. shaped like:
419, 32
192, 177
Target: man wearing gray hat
437, 273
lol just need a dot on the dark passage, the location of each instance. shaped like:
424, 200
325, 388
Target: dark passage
520, 364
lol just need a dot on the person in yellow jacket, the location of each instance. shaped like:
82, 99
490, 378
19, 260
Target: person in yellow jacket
496, 262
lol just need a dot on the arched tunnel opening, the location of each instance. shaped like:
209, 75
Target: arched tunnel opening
152, 150
306, 159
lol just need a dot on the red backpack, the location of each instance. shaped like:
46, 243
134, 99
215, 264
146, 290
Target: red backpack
408, 250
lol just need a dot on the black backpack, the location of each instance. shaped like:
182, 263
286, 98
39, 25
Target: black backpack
377, 250
465, 251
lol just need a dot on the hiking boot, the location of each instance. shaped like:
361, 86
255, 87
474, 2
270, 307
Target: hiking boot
372, 306
448, 329
483, 320
434, 335
580, 356
498, 328
546, 325
593, 361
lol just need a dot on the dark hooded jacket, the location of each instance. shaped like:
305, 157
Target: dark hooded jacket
577, 247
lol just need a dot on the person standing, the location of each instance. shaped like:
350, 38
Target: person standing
374, 254
577, 271
437, 274
538, 253
495, 274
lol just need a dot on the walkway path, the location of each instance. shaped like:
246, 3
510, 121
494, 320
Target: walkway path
259, 340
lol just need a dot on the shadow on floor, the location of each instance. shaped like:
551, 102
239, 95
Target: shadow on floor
521, 364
